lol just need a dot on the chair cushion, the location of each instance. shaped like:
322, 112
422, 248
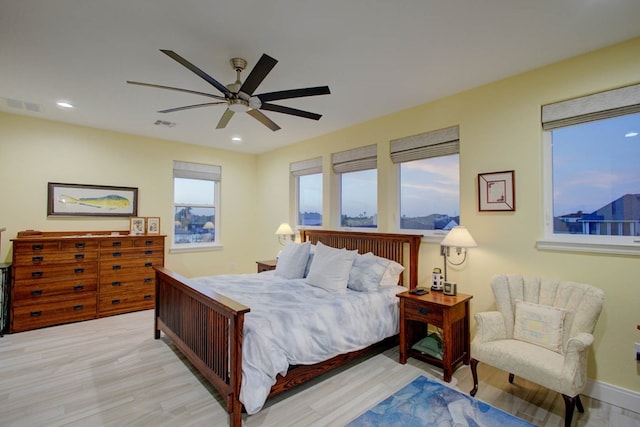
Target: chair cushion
539, 324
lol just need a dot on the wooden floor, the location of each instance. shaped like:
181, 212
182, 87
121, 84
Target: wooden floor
111, 372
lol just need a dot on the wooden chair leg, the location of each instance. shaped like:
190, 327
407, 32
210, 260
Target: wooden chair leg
511, 377
569, 404
474, 373
579, 404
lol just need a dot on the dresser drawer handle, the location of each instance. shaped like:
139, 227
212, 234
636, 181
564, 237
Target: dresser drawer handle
37, 247
148, 242
37, 259
78, 287
148, 297
148, 279
36, 292
115, 301
78, 307
78, 270
116, 254
36, 313
148, 252
37, 274
148, 264
79, 245
79, 256
423, 310
116, 244
116, 283
116, 267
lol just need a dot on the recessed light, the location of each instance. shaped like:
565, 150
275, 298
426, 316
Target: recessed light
236, 139
64, 104
630, 134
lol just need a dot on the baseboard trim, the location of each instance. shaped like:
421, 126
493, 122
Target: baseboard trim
614, 395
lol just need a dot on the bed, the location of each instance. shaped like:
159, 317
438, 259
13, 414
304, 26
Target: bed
207, 327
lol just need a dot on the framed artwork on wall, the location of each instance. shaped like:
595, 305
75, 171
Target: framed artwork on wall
496, 191
91, 200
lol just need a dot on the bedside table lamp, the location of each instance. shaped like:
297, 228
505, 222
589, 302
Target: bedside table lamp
285, 233
460, 239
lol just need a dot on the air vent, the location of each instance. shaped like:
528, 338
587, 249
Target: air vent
164, 123
22, 105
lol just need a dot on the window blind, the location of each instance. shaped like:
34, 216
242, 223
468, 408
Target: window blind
602, 105
196, 171
306, 167
358, 159
441, 142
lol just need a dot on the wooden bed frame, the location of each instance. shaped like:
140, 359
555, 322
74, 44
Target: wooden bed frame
207, 327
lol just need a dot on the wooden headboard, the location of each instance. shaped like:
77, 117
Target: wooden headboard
401, 248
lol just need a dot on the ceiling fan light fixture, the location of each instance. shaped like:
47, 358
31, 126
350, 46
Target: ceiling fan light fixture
238, 105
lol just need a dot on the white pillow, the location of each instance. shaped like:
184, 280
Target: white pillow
391, 276
312, 252
539, 324
367, 272
330, 268
292, 260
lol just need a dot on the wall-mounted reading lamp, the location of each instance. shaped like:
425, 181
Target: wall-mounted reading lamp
285, 233
460, 239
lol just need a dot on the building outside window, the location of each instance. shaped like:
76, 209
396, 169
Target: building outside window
196, 205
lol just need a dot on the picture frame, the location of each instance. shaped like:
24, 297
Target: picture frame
136, 226
91, 200
496, 191
153, 225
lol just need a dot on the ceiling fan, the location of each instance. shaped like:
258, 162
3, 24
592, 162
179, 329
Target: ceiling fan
239, 97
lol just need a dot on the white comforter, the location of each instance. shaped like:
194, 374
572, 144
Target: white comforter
293, 323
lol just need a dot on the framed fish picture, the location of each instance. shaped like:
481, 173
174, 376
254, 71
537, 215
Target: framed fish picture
91, 200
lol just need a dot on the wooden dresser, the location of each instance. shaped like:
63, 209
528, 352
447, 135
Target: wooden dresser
61, 277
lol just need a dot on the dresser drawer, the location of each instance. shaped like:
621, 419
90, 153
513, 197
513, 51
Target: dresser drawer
427, 313
125, 302
35, 291
138, 253
128, 283
79, 245
53, 313
118, 243
55, 257
35, 247
149, 242
126, 265
47, 273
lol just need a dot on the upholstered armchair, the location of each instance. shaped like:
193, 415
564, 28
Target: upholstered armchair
541, 331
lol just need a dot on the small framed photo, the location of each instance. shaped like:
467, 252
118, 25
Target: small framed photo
496, 191
153, 225
136, 226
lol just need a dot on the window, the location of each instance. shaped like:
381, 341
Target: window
429, 180
358, 186
196, 205
308, 183
592, 179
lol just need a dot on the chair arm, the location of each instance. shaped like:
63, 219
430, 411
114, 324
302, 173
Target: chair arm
575, 363
579, 343
490, 327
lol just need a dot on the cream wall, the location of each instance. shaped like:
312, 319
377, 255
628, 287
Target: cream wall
34, 152
500, 130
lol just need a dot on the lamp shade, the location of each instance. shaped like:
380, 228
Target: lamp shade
459, 237
284, 230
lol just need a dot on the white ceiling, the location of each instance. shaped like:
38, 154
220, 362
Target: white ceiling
376, 56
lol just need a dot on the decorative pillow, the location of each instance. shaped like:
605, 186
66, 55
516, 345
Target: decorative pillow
312, 252
293, 260
330, 268
539, 324
391, 276
367, 272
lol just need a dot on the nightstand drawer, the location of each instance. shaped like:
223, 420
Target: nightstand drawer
422, 312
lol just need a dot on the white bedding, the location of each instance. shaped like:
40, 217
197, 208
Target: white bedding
293, 323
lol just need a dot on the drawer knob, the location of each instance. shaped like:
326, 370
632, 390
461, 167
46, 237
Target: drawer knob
116, 253
37, 274
148, 242
79, 245
36, 313
147, 297
148, 279
148, 264
78, 307
148, 252
78, 270
116, 283
78, 287
116, 267
116, 244
37, 259
37, 247
115, 301
36, 292
79, 256
423, 310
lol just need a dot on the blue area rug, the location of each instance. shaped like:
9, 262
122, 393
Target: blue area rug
429, 403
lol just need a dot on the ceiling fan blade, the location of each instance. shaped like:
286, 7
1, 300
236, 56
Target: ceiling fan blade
225, 119
289, 110
263, 67
210, 95
294, 93
256, 114
222, 88
189, 107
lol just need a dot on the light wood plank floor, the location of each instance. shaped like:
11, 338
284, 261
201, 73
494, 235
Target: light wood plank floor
111, 372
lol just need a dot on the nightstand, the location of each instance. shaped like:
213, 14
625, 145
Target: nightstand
450, 314
267, 265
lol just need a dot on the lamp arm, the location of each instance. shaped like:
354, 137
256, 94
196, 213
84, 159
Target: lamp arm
459, 263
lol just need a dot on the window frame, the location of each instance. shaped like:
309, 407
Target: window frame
304, 168
598, 106
204, 172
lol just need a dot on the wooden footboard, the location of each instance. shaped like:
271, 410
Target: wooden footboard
207, 327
